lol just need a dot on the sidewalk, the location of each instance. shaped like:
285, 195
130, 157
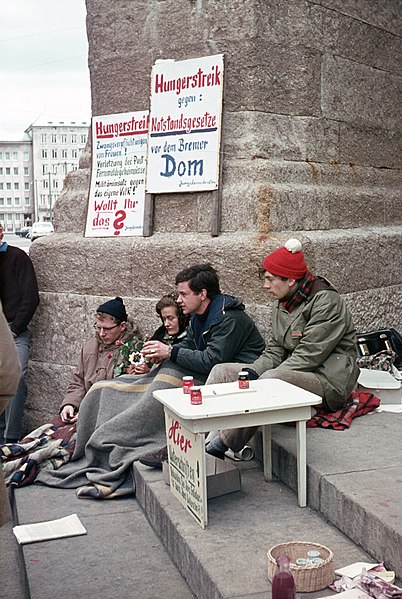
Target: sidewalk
354, 482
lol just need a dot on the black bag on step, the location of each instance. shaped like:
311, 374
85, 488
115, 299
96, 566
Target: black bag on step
373, 342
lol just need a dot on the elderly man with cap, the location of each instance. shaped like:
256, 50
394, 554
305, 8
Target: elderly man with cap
96, 361
312, 344
52, 444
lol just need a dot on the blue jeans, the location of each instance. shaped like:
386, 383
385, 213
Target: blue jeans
10, 420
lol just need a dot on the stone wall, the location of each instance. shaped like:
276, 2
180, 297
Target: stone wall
311, 148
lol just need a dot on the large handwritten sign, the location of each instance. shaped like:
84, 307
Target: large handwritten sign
185, 125
187, 467
117, 193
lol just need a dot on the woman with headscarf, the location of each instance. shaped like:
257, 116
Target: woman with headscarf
172, 330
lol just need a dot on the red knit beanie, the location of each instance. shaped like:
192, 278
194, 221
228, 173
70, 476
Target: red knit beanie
287, 261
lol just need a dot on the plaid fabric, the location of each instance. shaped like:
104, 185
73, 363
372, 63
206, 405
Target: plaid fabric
301, 294
49, 446
359, 403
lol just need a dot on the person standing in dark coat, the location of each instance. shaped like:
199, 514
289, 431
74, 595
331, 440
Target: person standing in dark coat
20, 298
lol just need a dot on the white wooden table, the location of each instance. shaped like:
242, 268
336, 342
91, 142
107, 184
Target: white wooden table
266, 402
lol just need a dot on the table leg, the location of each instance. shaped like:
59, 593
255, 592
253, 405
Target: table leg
301, 463
266, 452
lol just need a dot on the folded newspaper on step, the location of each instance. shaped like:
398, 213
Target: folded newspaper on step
70, 526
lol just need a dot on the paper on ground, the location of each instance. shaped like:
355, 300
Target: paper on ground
70, 526
394, 408
351, 594
354, 569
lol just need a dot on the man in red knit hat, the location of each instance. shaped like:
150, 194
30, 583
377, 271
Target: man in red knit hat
312, 344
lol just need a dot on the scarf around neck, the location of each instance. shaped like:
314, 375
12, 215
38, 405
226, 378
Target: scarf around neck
300, 295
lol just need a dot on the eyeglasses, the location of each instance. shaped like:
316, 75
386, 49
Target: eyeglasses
99, 329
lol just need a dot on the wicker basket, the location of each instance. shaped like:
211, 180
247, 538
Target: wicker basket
307, 578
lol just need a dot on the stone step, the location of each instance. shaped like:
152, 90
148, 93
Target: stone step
354, 482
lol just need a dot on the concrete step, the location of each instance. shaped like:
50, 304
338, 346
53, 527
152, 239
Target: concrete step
354, 480
354, 483
119, 557
229, 558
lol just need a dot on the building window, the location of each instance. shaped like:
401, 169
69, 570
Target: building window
8, 170
42, 199
1, 155
1, 201
10, 218
26, 186
16, 186
64, 154
54, 153
44, 153
16, 170
55, 184
1, 170
1, 185
18, 217
27, 201
26, 171
53, 138
74, 154
63, 138
8, 186
7, 155
16, 201
74, 138
45, 183
45, 169
43, 138
15, 155
26, 155
9, 202
83, 139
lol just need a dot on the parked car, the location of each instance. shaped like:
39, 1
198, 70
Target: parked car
40, 229
24, 232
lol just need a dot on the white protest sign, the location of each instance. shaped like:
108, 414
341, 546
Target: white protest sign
187, 467
117, 192
185, 125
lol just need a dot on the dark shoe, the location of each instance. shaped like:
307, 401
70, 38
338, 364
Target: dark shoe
215, 452
154, 459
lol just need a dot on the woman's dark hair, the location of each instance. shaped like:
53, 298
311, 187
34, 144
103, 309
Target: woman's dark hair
170, 299
199, 277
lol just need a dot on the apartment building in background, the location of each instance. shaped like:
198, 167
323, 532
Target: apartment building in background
32, 171
16, 193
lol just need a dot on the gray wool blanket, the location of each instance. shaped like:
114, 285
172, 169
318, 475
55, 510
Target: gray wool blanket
119, 420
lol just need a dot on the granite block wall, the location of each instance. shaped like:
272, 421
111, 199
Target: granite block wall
311, 148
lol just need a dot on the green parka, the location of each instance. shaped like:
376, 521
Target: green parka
318, 337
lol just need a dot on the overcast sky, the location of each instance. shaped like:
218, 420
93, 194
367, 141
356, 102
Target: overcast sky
43, 64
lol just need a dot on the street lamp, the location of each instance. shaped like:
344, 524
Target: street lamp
50, 198
35, 199
50, 187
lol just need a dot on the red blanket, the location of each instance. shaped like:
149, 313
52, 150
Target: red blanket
359, 403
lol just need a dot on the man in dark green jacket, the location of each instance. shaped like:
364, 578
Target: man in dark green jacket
312, 344
219, 331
